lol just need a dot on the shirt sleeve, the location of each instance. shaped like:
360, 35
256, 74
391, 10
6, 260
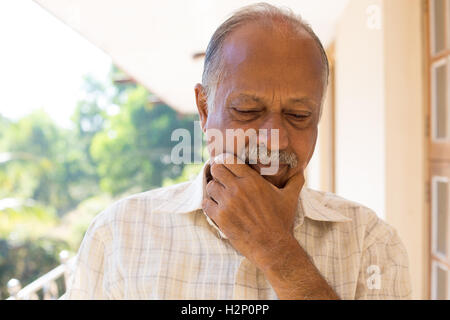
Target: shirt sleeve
384, 271
87, 280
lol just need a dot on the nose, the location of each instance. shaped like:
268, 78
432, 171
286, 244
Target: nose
277, 134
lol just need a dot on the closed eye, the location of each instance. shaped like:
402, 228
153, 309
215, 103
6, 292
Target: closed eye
247, 111
298, 116
246, 114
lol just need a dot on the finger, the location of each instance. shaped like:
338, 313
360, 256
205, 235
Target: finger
210, 208
215, 190
235, 165
221, 174
294, 185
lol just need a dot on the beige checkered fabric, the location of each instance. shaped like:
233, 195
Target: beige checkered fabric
159, 245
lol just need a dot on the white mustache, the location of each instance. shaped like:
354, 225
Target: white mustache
265, 156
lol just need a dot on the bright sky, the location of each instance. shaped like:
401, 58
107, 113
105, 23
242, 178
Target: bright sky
42, 62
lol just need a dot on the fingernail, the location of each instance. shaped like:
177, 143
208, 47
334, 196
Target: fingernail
224, 158
219, 159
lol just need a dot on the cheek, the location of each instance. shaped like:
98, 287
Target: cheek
219, 141
215, 142
303, 145
215, 129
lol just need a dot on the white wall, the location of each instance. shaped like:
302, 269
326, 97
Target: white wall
406, 144
360, 139
380, 119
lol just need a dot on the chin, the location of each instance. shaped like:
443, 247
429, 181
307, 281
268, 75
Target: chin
278, 182
278, 179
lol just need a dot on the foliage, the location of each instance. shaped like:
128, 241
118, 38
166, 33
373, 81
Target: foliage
54, 180
189, 172
132, 149
74, 224
28, 221
31, 238
43, 162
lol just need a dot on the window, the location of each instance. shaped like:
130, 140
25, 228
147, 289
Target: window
440, 281
439, 141
439, 105
439, 20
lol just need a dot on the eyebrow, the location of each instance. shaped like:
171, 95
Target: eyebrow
243, 97
303, 101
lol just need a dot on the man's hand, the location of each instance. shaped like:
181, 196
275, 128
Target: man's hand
255, 215
258, 219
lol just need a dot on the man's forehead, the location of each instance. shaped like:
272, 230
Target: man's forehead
253, 42
260, 64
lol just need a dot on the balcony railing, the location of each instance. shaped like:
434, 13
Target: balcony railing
47, 283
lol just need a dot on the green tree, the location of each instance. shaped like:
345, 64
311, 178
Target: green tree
133, 150
60, 178
44, 162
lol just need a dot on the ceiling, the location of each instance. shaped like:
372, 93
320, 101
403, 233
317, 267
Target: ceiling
154, 41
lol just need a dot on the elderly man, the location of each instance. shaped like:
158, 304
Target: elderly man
233, 232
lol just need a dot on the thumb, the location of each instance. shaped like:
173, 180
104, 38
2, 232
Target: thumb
294, 185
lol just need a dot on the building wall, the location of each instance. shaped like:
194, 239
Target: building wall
380, 122
360, 112
406, 153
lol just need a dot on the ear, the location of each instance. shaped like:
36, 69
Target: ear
200, 100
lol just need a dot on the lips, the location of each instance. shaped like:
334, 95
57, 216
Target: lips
282, 168
280, 165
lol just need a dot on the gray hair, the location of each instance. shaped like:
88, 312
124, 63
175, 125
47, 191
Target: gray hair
264, 13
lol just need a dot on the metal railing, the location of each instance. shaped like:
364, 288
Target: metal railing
47, 283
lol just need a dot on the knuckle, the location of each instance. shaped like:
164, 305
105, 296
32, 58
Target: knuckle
233, 191
206, 203
227, 202
209, 185
211, 213
215, 169
217, 215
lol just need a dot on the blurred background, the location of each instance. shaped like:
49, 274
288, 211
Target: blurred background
92, 91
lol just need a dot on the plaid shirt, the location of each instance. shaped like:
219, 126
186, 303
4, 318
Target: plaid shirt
159, 245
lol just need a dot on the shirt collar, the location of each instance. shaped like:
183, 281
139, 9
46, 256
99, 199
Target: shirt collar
311, 205
315, 208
